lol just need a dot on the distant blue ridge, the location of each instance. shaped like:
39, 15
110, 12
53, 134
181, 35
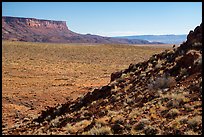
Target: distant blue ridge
168, 39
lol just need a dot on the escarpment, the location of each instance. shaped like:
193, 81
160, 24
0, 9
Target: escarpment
40, 30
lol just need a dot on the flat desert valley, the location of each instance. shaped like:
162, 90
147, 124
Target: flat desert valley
40, 75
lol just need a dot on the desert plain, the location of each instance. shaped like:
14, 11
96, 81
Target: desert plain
40, 75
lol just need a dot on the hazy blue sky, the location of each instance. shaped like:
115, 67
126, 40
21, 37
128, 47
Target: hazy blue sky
114, 18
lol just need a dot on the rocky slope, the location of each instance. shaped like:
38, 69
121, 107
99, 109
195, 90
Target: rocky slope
37, 30
161, 96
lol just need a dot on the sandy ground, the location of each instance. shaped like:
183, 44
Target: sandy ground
36, 75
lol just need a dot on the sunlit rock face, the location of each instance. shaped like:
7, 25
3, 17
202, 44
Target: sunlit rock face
39, 30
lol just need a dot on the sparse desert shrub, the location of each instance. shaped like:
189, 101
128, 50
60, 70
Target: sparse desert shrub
172, 103
120, 80
76, 127
141, 124
99, 131
182, 119
131, 74
88, 114
98, 125
93, 103
161, 82
194, 122
127, 87
106, 100
103, 121
143, 74
188, 107
117, 128
150, 130
125, 104
162, 108
55, 122
159, 65
127, 109
154, 93
139, 97
118, 119
199, 61
103, 112
180, 98
190, 132
173, 112
83, 108
197, 44
48, 118
129, 100
70, 128
134, 132
83, 123
124, 75
134, 114
113, 98
118, 95
112, 113
183, 71
176, 100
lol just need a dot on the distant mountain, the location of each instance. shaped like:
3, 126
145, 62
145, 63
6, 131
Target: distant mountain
169, 39
38, 30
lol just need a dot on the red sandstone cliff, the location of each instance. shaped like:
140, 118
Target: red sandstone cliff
38, 30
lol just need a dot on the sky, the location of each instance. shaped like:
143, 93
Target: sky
114, 18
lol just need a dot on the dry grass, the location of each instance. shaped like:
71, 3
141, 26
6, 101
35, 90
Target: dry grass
36, 75
99, 131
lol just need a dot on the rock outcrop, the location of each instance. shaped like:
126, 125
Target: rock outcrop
161, 96
36, 23
38, 30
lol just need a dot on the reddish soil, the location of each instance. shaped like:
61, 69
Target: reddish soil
35, 75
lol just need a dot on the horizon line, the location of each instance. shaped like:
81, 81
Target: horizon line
91, 33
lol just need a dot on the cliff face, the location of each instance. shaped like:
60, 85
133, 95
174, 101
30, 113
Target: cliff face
37, 30
36, 23
34, 30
